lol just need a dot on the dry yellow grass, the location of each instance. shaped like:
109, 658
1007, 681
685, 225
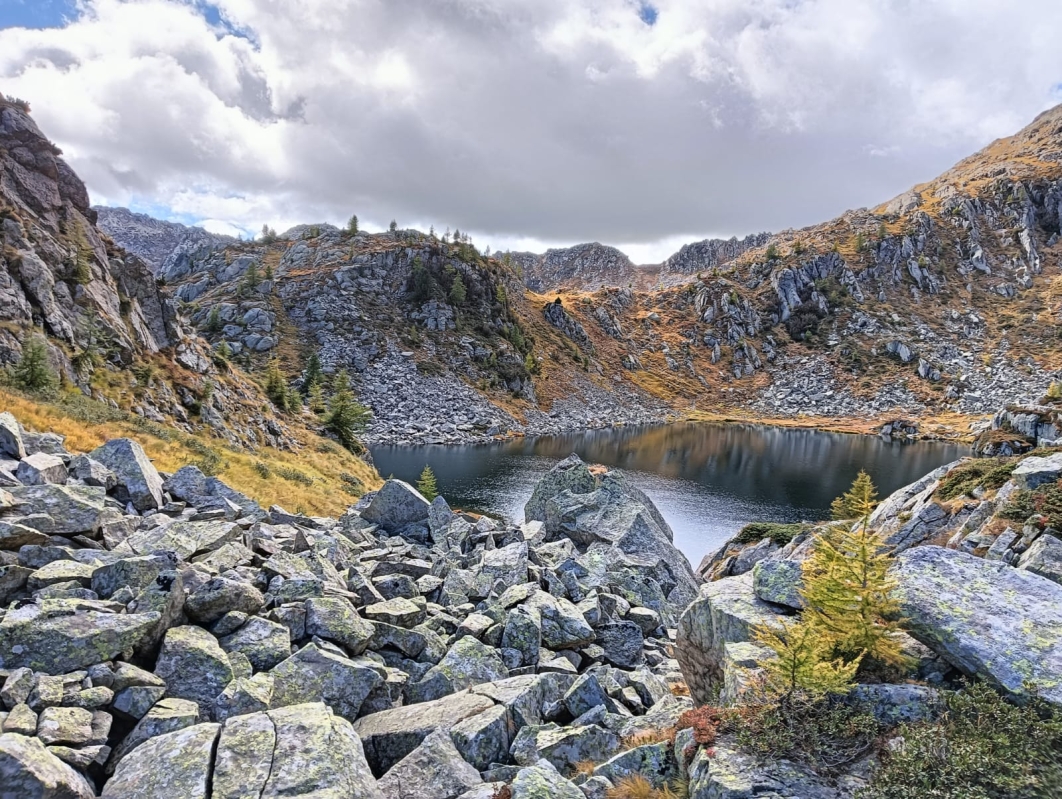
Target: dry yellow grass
317, 468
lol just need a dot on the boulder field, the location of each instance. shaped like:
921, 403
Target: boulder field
162, 635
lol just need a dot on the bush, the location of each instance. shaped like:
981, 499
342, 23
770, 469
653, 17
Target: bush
1045, 500
781, 534
986, 473
827, 732
804, 321
982, 747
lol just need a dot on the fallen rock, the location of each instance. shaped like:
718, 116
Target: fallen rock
435, 768
396, 505
29, 771
175, 764
138, 481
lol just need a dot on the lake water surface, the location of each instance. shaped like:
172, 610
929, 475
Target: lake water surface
708, 480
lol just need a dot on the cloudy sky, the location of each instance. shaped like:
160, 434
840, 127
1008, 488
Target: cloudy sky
639, 123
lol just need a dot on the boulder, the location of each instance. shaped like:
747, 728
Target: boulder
174, 764
57, 636
1044, 558
435, 768
11, 437
396, 505
729, 773
221, 595
167, 715
303, 750
390, 735
65, 725
263, 642
1003, 625
571, 474
506, 564
399, 611
468, 662
484, 738
315, 675
336, 620
565, 746
623, 643
725, 612
61, 510
41, 468
655, 762
563, 626
543, 781
194, 667
29, 771
138, 481
1034, 472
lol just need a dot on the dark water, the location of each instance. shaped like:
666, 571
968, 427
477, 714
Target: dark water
707, 479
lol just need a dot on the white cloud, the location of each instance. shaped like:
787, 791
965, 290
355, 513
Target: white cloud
543, 121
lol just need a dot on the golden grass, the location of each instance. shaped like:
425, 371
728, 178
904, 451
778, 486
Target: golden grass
318, 487
635, 786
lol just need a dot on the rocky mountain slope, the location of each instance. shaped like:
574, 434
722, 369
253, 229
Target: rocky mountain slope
125, 351
159, 244
945, 300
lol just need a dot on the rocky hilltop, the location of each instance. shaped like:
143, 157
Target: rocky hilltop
164, 635
159, 244
941, 301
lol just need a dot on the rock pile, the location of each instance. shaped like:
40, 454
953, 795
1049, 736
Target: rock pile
163, 635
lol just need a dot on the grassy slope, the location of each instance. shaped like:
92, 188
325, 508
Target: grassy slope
308, 480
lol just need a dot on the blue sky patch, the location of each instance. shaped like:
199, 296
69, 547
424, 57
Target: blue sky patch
647, 13
36, 13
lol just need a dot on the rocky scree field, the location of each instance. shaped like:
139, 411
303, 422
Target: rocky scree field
164, 635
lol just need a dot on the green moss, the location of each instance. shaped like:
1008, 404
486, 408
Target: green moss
986, 473
781, 534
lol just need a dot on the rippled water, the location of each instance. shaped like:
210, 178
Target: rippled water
707, 479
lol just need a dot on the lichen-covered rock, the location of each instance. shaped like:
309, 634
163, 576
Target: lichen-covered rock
563, 746
57, 636
221, 595
543, 781
655, 762
40, 468
315, 675
725, 612
29, 771
435, 768
563, 626
263, 642
468, 662
61, 510
396, 505
484, 738
11, 437
298, 751
987, 619
729, 773
194, 667
65, 725
571, 474
1034, 472
245, 695
390, 735
1044, 557
167, 715
178, 763
779, 581
623, 643
336, 620
138, 480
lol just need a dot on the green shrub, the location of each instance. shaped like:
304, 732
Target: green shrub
827, 731
982, 747
1045, 500
34, 372
294, 475
986, 473
781, 534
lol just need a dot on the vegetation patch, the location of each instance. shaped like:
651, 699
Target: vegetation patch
781, 534
981, 747
986, 473
1045, 500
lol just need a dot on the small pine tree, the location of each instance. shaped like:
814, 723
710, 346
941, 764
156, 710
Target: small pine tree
34, 372
802, 661
457, 291
315, 398
314, 375
213, 324
352, 225
858, 501
426, 485
293, 400
847, 586
269, 272
346, 418
393, 227
276, 387
772, 252
250, 278
223, 354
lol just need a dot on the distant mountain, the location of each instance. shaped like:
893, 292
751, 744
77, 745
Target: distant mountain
159, 244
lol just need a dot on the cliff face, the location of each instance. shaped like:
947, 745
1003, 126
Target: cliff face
56, 271
160, 244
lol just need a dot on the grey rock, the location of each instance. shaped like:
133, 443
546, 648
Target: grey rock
194, 667
177, 763
41, 468
61, 510
11, 437
138, 480
1034, 472
29, 771
219, 596
64, 725
571, 474
263, 642
623, 643
315, 675
468, 662
1043, 557
399, 611
484, 738
167, 715
543, 781
435, 768
563, 747
336, 620
396, 505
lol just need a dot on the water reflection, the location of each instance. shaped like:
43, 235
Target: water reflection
707, 479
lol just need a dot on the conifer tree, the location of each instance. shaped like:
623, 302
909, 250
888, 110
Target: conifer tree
346, 417
352, 225
393, 227
426, 485
276, 387
315, 398
858, 501
314, 375
457, 291
803, 660
34, 372
847, 586
250, 278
